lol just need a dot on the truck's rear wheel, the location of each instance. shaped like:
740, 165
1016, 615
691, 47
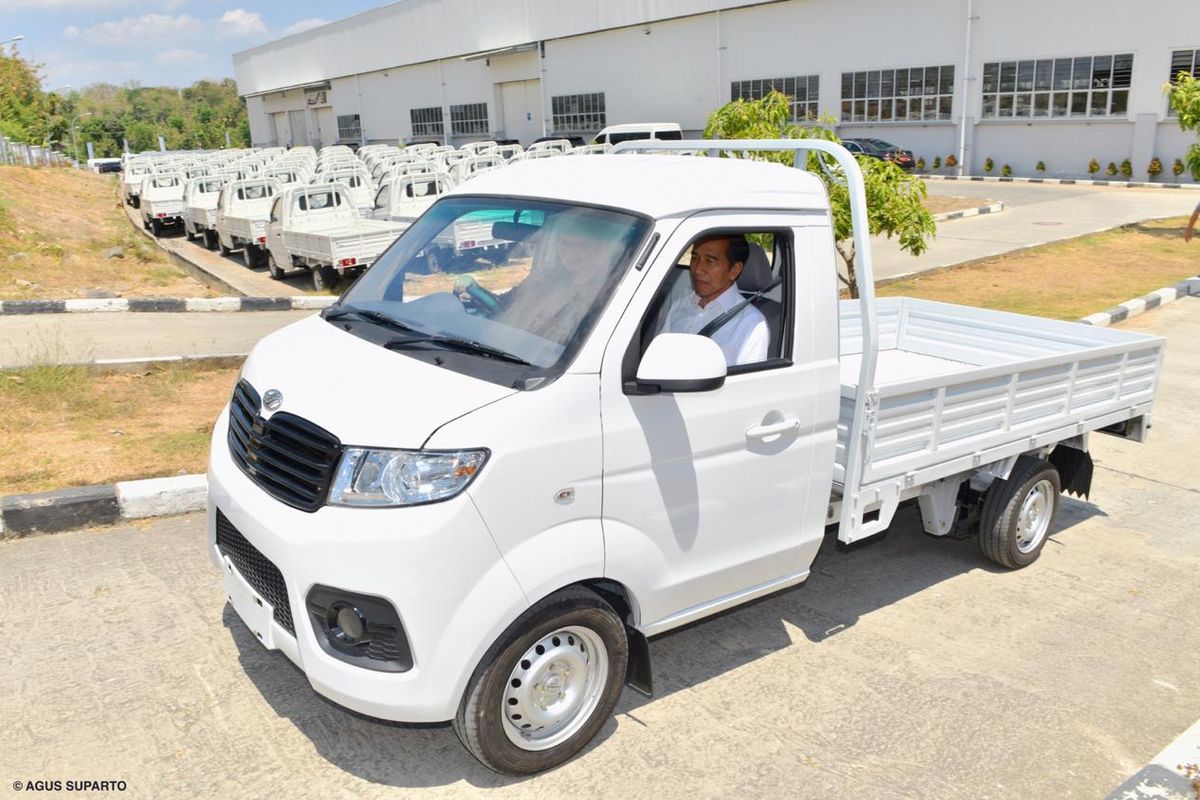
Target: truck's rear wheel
136, 202
210, 239
1018, 513
250, 255
324, 278
547, 686
433, 262
156, 227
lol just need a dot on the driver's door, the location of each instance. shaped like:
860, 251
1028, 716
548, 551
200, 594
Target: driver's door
703, 502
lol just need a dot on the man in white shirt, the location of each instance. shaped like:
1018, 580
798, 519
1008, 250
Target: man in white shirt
716, 264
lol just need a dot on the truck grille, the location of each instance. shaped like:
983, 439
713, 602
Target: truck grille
290, 458
257, 569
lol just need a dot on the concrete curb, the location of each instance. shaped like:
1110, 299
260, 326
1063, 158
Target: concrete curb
66, 509
166, 304
1140, 305
1061, 181
1165, 778
994, 208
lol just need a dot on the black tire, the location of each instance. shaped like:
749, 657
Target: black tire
225, 251
1001, 537
156, 227
433, 262
210, 239
324, 278
481, 721
273, 268
136, 202
250, 255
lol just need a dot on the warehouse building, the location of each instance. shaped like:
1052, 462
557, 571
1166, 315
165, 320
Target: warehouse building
1014, 81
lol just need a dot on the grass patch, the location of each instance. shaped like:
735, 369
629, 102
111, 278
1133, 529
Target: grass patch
56, 226
64, 426
1066, 280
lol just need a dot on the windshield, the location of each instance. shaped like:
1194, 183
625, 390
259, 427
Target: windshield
522, 278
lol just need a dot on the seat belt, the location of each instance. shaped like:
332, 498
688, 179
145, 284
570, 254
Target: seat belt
716, 324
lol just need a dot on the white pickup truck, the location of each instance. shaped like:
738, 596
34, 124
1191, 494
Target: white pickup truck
200, 197
161, 200
242, 211
317, 228
478, 505
131, 180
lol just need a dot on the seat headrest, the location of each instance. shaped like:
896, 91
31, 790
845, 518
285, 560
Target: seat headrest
756, 273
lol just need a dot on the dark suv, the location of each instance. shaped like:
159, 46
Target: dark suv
884, 151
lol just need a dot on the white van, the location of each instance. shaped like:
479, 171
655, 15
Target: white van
663, 131
478, 504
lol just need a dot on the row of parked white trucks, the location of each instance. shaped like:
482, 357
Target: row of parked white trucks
462, 508
331, 213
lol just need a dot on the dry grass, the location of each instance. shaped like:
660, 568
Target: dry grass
1066, 280
66, 426
944, 204
56, 224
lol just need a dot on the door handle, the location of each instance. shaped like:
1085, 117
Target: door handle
774, 429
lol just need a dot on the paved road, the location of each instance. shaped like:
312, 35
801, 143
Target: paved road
905, 668
1036, 214
82, 338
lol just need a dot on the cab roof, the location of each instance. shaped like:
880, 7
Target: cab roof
655, 185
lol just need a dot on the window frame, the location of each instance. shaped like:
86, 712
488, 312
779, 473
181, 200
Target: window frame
427, 121
915, 90
757, 88
785, 248
466, 121
1057, 89
579, 113
1172, 72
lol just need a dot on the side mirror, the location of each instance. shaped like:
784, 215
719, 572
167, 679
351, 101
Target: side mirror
679, 362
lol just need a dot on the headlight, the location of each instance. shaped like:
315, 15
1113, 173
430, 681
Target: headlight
402, 477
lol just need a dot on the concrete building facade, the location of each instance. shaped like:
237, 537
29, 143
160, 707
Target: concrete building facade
1015, 81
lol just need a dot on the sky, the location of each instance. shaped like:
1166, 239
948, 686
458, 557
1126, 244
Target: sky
165, 43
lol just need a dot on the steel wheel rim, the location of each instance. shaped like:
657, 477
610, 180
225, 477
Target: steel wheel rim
550, 695
1033, 520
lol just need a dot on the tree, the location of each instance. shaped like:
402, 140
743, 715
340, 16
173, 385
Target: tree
1184, 94
894, 198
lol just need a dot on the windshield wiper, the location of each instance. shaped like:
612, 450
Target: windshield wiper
373, 316
462, 345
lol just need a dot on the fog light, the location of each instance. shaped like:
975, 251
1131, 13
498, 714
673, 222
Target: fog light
347, 624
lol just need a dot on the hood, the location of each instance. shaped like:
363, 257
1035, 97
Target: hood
358, 391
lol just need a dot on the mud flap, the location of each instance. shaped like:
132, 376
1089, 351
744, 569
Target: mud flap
1074, 470
638, 674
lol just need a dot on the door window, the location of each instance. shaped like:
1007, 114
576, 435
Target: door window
731, 286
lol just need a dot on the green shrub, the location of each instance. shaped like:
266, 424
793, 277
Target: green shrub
1126, 168
988, 165
1155, 167
921, 164
1041, 166
1006, 171
1177, 167
1111, 169
1093, 167
937, 162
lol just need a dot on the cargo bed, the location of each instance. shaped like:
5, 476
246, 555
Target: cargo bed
959, 387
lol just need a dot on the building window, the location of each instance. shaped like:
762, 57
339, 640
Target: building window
1087, 86
1183, 61
578, 113
804, 91
898, 95
470, 118
427, 121
349, 128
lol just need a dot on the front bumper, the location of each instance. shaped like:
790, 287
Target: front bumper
436, 564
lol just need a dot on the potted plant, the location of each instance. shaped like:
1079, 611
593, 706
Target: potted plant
1093, 167
1006, 171
1177, 167
920, 163
951, 161
1111, 169
1126, 169
1041, 166
1155, 168
988, 165
937, 162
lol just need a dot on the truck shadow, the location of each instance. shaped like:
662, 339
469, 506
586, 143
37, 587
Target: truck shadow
845, 584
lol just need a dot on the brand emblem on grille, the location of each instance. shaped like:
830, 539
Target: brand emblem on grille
272, 399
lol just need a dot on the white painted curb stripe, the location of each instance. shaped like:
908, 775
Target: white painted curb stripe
159, 497
213, 303
92, 306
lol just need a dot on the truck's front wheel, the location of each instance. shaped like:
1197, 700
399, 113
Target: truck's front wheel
547, 686
273, 267
1018, 513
